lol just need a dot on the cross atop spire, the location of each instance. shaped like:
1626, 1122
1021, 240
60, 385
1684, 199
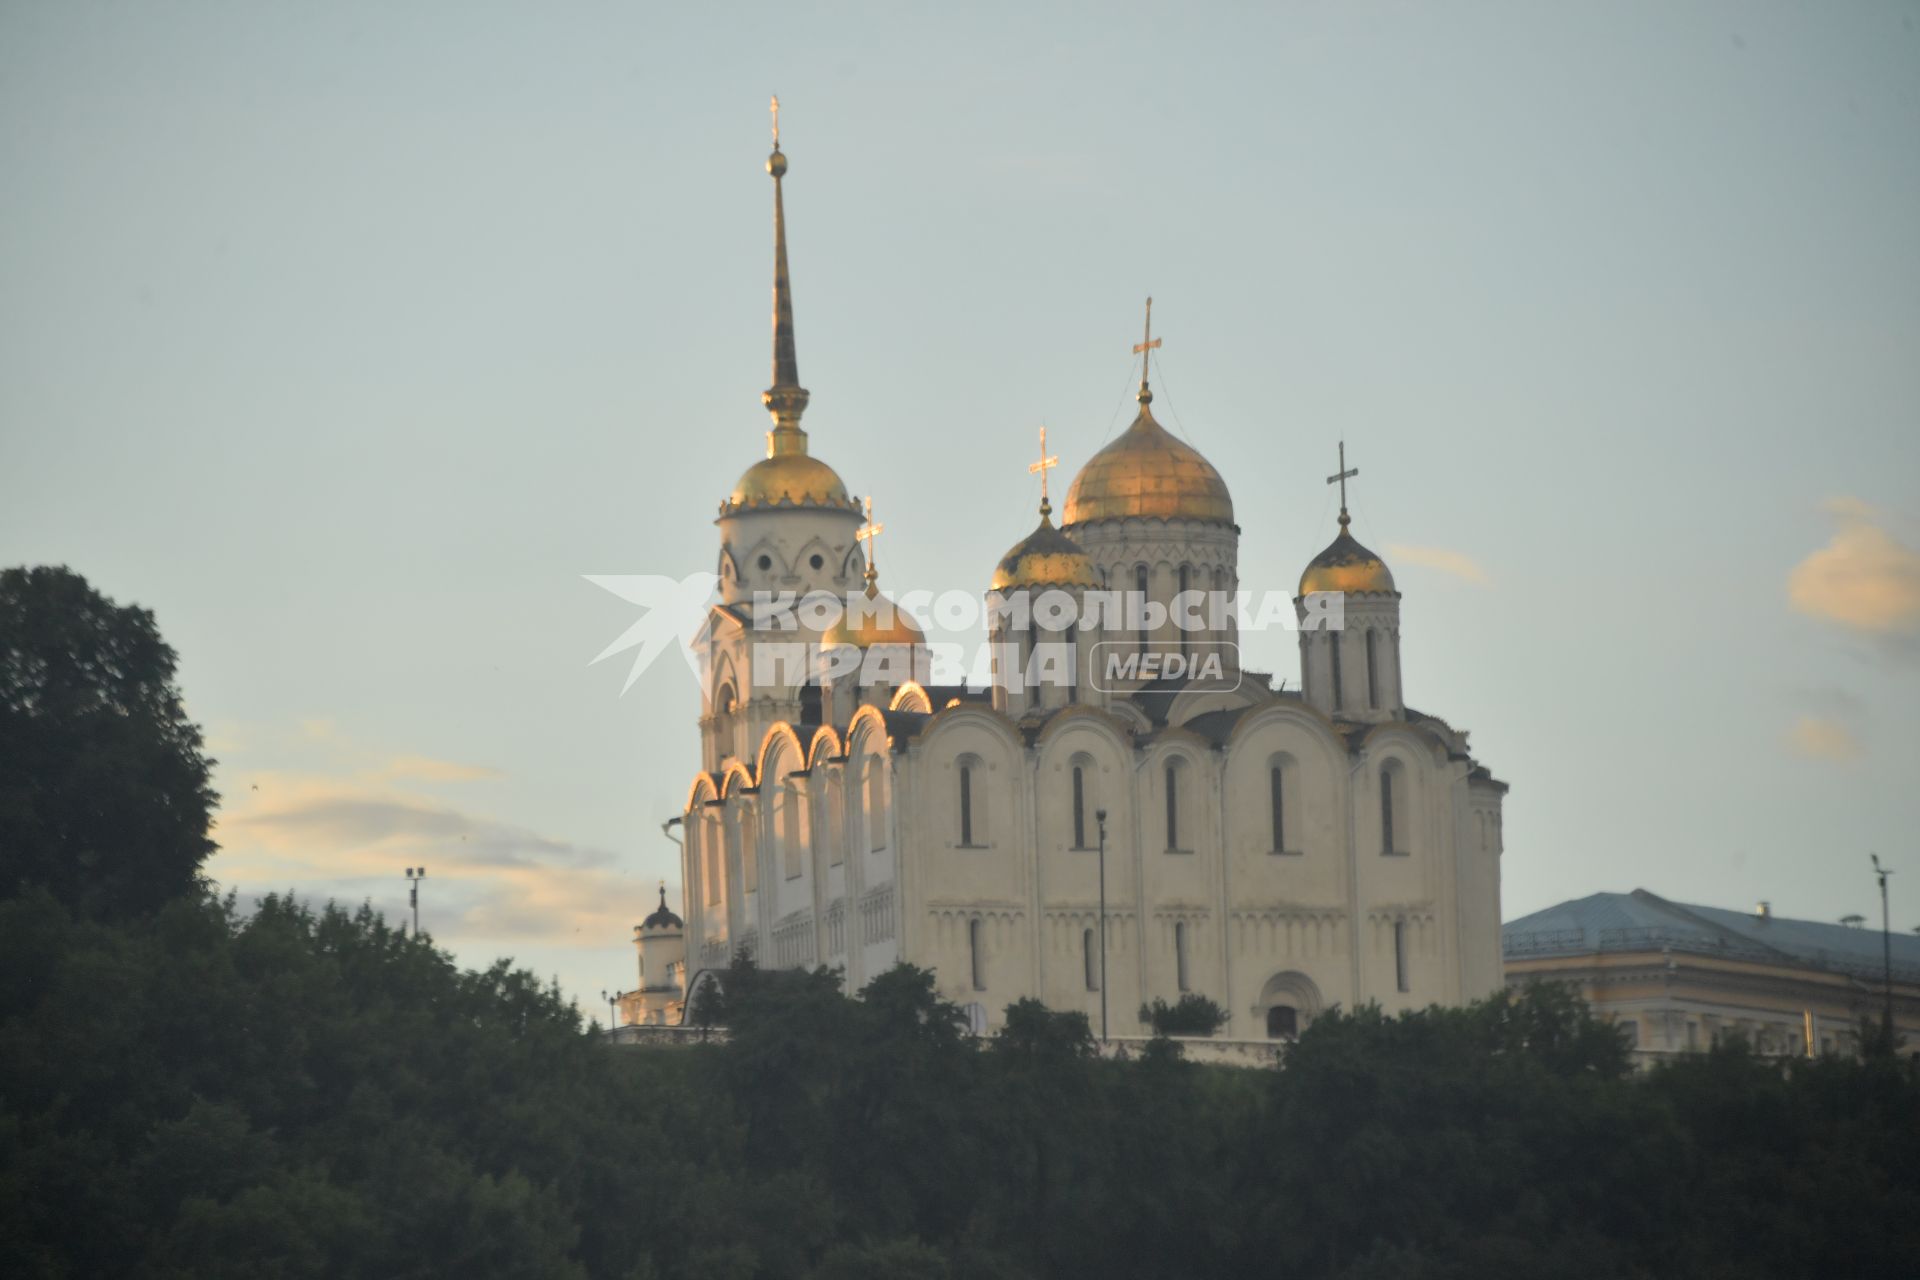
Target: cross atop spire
1041, 468
1144, 348
866, 533
1340, 478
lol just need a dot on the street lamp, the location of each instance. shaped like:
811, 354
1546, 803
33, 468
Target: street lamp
1886, 947
1100, 817
613, 1006
414, 876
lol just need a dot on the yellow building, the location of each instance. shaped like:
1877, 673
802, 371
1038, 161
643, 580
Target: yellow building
1680, 976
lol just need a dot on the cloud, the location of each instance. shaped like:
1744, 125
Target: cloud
1864, 579
1823, 739
427, 769
1457, 563
348, 837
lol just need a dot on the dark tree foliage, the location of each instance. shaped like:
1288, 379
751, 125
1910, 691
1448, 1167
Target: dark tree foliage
188, 1091
199, 1092
104, 792
1191, 1015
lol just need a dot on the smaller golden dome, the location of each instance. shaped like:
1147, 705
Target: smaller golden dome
1045, 558
873, 621
1148, 471
795, 478
1347, 566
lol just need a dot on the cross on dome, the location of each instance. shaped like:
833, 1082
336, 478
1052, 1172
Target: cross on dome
865, 534
1041, 468
1144, 348
1340, 478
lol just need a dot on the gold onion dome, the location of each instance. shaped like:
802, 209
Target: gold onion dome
1148, 472
1045, 558
788, 475
1347, 566
797, 479
874, 621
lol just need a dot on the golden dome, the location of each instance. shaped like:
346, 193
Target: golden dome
796, 478
874, 621
1347, 566
1045, 558
1148, 472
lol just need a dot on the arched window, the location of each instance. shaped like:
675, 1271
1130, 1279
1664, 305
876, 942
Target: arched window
1333, 641
1373, 673
973, 818
1073, 662
977, 954
1392, 835
725, 709
749, 847
877, 816
1277, 801
1173, 806
712, 857
1090, 957
1140, 604
1079, 807
1400, 956
1283, 1022
1180, 953
966, 804
1186, 576
791, 820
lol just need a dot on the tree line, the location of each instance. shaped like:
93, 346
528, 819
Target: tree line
190, 1089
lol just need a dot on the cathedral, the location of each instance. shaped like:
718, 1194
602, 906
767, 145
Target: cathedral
1120, 813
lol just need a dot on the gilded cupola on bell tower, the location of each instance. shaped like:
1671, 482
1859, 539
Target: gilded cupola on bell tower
789, 523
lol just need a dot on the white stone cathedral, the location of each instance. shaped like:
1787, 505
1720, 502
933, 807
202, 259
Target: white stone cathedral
1278, 850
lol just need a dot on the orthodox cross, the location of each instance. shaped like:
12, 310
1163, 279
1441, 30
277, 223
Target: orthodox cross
867, 533
776, 122
1041, 468
1146, 344
1341, 477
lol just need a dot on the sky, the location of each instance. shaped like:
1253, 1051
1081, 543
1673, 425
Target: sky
350, 338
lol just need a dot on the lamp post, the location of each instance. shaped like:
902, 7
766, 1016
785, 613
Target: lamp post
1100, 817
414, 876
613, 1008
1886, 949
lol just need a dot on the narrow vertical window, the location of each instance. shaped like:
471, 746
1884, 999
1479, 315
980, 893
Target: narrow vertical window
1180, 953
1185, 577
1173, 806
1400, 955
1333, 640
1386, 811
876, 806
1140, 603
966, 804
1073, 662
1373, 673
1079, 808
1277, 786
1091, 958
977, 954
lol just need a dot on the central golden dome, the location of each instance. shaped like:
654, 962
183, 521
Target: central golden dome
1148, 472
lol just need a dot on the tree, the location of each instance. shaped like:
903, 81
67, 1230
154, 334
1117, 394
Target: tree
105, 798
1191, 1015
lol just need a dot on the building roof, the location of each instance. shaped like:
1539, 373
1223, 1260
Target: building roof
1643, 921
